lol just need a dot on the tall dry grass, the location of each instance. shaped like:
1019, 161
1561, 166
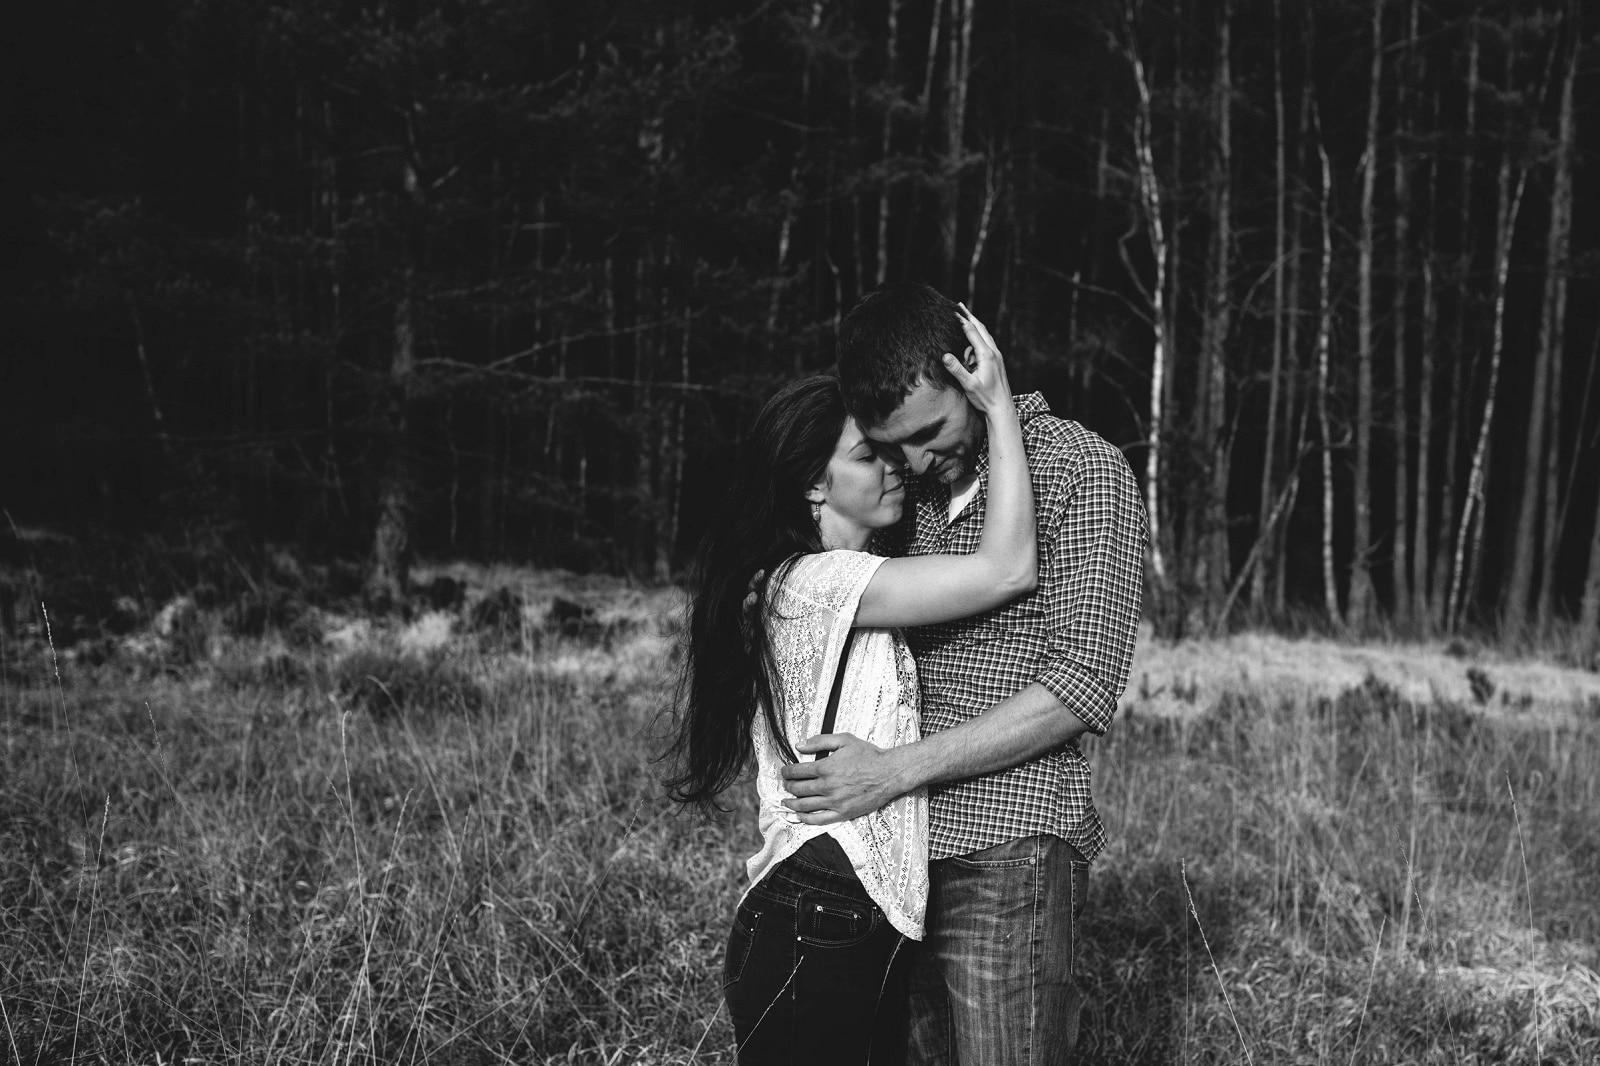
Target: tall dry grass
457, 853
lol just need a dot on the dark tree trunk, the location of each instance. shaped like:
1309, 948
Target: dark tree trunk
391, 540
1360, 600
1553, 331
387, 573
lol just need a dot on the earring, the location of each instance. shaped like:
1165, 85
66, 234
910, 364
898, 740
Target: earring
816, 513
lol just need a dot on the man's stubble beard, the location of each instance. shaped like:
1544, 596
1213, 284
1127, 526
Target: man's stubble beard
965, 462
958, 464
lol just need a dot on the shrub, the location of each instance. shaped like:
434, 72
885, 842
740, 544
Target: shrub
386, 684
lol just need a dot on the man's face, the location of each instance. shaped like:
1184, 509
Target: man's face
936, 432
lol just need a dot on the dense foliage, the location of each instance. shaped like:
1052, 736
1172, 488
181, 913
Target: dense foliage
504, 279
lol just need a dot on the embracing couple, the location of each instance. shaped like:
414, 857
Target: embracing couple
950, 582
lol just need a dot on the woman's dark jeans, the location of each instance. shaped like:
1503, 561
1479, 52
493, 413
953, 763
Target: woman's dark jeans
815, 973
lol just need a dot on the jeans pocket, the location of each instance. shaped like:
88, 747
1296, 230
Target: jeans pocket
745, 922
992, 863
830, 921
1011, 855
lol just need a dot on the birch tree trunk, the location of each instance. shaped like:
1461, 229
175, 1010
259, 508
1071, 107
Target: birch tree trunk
1150, 203
993, 184
1361, 551
1330, 589
1179, 550
1509, 202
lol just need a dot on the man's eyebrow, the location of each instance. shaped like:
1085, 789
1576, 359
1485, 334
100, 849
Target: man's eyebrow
926, 432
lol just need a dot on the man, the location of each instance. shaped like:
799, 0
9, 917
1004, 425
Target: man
1006, 695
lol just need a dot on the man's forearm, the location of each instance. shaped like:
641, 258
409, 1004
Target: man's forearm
1012, 731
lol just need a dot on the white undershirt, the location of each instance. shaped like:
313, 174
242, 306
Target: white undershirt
959, 500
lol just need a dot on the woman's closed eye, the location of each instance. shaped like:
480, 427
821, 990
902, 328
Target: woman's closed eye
889, 453
864, 453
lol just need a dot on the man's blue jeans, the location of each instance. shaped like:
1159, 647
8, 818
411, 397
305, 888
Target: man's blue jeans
993, 983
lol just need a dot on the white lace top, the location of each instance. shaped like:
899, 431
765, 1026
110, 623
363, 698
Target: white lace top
808, 619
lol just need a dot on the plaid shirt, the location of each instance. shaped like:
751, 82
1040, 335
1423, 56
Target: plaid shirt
1074, 634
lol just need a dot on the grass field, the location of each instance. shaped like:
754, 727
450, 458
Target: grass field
340, 841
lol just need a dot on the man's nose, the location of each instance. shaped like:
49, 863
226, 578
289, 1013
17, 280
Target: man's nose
918, 460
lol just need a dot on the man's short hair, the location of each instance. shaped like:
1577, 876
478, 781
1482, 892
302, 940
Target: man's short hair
892, 341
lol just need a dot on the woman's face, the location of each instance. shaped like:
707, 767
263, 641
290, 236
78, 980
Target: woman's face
861, 487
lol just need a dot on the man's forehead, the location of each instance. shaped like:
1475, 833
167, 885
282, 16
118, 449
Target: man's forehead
897, 427
925, 405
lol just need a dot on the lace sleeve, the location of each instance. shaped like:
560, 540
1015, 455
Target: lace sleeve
809, 618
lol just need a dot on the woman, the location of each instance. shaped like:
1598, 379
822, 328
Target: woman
810, 972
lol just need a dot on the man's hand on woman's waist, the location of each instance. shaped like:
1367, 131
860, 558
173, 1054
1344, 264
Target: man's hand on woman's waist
855, 779
858, 778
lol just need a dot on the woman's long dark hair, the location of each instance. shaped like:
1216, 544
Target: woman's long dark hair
765, 524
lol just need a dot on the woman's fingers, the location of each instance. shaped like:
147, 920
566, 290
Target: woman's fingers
978, 333
986, 362
963, 376
982, 342
985, 381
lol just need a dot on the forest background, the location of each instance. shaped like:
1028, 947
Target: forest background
505, 280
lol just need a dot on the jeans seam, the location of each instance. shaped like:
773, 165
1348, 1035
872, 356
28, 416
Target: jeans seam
1073, 867
1035, 954
894, 952
749, 944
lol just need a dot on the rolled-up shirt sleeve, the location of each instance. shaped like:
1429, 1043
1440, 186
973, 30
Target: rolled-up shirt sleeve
1097, 533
